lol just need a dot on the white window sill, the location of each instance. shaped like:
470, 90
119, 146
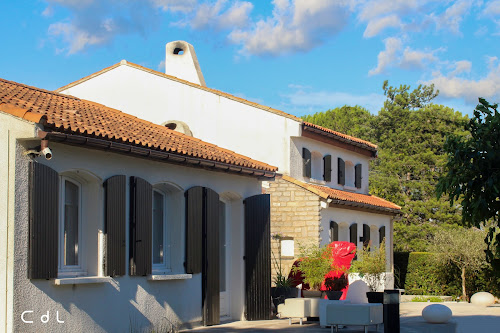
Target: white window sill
166, 277
82, 280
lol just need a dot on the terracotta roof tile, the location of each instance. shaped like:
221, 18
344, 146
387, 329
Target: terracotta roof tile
348, 197
340, 135
69, 114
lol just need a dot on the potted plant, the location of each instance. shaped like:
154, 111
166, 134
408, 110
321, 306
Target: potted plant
370, 266
282, 288
314, 264
334, 286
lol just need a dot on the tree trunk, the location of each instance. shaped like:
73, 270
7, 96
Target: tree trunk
464, 294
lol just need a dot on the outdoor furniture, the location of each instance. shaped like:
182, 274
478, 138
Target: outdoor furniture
299, 308
322, 309
354, 314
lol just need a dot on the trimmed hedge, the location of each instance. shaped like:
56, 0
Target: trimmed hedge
424, 277
418, 274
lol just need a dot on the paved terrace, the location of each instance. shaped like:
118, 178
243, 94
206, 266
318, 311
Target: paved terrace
468, 318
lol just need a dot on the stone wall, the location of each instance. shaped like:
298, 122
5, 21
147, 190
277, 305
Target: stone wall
295, 212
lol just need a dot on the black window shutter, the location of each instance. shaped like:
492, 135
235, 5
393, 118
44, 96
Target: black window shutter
257, 257
327, 167
115, 202
381, 234
194, 228
211, 260
306, 159
341, 171
334, 231
43, 222
366, 235
357, 173
141, 224
353, 233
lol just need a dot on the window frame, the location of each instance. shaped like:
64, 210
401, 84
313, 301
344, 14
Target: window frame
166, 265
70, 270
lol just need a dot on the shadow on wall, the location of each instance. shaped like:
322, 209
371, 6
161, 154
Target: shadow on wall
121, 306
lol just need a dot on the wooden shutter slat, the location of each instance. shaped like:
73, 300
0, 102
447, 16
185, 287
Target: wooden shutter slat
341, 171
257, 257
334, 231
327, 167
43, 222
366, 235
306, 161
211, 259
353, 233
381, 234
141, 210
357, 175
115, 201
194, 226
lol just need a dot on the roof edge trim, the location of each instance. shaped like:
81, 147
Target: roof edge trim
158, 155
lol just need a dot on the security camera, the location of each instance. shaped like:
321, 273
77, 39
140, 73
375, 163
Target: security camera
47, 153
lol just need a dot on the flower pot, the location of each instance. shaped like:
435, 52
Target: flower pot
333, 295
311, 293
375, 296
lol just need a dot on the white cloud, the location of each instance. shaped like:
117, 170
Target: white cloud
457, 87
416, 59
492, 8
453, 16
76, 38
93, 22
217, 15
394, 56
183, 6
462, 66
387, 57
376, 26
296, 25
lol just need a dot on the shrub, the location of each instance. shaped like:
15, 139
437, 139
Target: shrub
424, 277
370, 265
433, 299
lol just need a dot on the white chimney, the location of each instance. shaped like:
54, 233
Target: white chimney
181, 62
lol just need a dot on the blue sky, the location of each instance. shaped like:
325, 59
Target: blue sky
299, 56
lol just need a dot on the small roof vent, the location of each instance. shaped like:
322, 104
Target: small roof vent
178, 126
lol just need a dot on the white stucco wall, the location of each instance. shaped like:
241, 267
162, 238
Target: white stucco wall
346, 217
322, 149
230, 124
126, 303
11, 128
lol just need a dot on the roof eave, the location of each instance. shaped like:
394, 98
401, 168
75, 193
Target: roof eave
158, 155
386, 210
332, 136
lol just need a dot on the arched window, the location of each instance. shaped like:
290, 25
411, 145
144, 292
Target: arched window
160, 246
316, 165
167, 228
71, 225
334, 231
349, 174
80, 224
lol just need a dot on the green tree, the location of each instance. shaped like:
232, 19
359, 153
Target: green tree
461, 248
411, 133
473, 174
351, 120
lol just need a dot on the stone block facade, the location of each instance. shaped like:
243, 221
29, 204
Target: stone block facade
295, 213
